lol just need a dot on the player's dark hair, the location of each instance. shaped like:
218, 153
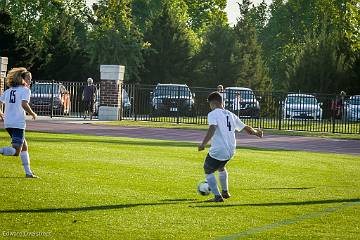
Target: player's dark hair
215, 96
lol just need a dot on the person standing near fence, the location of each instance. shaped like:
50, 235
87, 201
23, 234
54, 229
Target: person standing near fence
338, 105
89, 98
220, 90
237, 103
16, 100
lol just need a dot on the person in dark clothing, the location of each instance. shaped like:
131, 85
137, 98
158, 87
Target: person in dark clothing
338, 105
89, 98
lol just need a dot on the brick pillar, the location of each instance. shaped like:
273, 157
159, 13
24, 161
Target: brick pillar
112, 77
3, 70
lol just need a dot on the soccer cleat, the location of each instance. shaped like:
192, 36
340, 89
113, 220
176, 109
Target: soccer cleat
225, 194
216, 199
31, 176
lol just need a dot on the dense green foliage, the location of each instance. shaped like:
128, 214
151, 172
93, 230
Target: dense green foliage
313, 45
292, 45
172, 47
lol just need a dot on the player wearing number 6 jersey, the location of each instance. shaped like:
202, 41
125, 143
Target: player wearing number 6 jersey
222, 127
16, 100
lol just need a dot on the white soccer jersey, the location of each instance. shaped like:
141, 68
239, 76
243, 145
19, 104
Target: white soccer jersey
223, 142
14, 112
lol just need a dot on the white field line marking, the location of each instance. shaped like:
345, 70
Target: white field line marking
286, 222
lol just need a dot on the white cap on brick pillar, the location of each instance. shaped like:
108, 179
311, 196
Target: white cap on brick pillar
3, 69
3, 66
112, 72
111, 76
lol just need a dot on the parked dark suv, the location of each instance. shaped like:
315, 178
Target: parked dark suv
242, 102
45, 95
172, 99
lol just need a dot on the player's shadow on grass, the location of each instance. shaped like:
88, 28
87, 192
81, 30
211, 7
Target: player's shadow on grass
143, 142
102, 207
274, 204
178, 200
173, 202
5, 177
275, 189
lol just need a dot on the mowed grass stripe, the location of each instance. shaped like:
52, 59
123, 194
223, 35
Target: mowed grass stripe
111, 188
289, 221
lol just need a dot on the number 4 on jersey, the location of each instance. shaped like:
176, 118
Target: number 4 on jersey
228, 123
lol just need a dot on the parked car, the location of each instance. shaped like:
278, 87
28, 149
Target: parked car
172, 99
352, 108
241, 101
301, 106
125, 101
43, 95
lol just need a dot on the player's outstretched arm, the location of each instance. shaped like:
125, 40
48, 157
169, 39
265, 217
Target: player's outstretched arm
208, 136
257, 132
28, 109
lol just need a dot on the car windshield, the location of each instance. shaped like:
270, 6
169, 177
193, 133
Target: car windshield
171, 91
43, 88
301, 100
354, 101
244, 94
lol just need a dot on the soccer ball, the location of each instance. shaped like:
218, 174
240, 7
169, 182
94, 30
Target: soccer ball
203, 188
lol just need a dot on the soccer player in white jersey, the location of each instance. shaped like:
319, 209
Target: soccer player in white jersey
222, 126
16, 100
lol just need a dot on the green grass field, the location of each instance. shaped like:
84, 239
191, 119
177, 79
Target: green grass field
120, 188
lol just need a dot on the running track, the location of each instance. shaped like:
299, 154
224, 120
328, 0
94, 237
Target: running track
283, 142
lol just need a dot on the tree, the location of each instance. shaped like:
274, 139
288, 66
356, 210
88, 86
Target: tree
204, 13
65, 59
352, 29
33, 19
214, 62
144, 12
45, 31
8, 38
172, 47
258, 15
296, 24
319, 66
249, 67
114, 38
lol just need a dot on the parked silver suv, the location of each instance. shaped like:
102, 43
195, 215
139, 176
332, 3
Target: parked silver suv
352, 108
301, 106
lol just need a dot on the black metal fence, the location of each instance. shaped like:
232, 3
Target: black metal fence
55, 99
275, 110
174, 103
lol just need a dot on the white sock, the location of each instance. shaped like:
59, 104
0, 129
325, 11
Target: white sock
26, 162
211, 180
7, 151
223, 177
